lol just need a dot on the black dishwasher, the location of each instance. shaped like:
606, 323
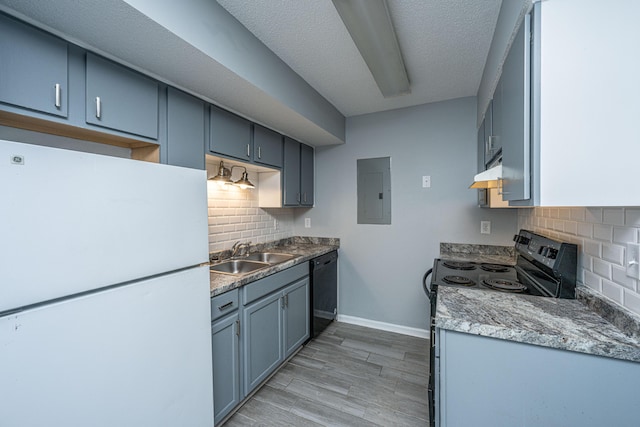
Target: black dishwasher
324, 292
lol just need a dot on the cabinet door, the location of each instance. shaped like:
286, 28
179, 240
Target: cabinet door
121, 99
296, 322
230, 135
267, 146
226, 365
491, 144
306, 175
481, 147
33, 68
262, 339
185, 130
493, 138
515, 123
291, 172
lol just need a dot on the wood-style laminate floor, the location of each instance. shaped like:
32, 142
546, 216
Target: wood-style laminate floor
348, 376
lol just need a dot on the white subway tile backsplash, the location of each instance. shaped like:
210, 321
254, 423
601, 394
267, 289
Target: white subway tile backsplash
592, 248
577, 214
632, 217
602, 268
585, 230
632, 301
601, 234
612, 291
619, 275
613, 253
625, 235
234, 215
593, 215
613, 216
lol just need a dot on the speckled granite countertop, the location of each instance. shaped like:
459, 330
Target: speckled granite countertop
589, 324
305, 248
478, 253
549, 322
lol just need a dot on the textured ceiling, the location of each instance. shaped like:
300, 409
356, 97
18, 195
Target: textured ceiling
444, 44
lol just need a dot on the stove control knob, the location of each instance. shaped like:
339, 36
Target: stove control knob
552, 253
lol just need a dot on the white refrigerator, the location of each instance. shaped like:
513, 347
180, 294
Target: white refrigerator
104, 295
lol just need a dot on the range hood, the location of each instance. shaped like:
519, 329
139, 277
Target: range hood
488, 178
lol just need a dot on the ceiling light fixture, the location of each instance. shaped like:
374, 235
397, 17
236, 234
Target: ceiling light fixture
370, 26
224, 177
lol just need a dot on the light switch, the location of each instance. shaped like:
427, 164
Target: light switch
426, 181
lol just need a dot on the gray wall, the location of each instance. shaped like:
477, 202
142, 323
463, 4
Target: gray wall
381, 266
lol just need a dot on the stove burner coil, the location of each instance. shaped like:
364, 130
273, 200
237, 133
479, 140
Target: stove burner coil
495, 268
504, 285
458, 280
458, 265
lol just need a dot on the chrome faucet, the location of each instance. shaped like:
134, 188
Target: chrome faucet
238, 247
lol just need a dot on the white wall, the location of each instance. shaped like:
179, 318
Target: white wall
601, 235
381, 266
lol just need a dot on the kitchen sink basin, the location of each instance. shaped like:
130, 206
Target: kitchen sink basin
269, 257
238, 266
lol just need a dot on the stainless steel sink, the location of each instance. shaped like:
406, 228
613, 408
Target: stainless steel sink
269, 257
238, 266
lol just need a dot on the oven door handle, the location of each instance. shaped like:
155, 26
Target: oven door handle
425, 284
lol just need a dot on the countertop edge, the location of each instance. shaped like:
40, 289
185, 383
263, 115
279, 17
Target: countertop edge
221, 283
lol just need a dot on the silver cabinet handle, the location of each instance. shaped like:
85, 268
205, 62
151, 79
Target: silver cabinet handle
225, 306
259, 152
237, 327
305, 197
98, 107
248, 150
298, 197
58, 97
286, 300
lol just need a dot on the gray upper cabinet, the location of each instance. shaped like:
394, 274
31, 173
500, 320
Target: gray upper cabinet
492, 147
267, 146
291, 172
33, 68
515, 117
298, 174
230, 135
185, 130
120, 99
306, 175
481, 147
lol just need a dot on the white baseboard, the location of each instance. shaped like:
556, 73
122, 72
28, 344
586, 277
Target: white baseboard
399, 329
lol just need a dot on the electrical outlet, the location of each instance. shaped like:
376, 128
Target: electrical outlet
307, 223
426, 181
633, 260
485, 227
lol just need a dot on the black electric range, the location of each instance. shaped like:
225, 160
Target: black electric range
544, 267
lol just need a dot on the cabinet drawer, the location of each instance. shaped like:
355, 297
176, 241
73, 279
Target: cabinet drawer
224, 304
262, 287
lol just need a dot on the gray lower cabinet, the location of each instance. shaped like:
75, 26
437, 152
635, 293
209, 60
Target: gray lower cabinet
225, 341
298, 174
33, 68
262, 339
185, 130
121, 99
489, 381
229, 135
275, 322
